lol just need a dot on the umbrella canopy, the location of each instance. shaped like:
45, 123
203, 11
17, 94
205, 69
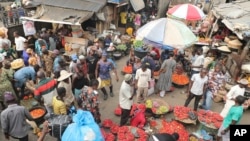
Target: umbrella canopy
187, 11
167, 32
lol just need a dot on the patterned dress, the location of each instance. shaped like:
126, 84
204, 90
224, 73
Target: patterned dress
89, 102
48, 64
5, 84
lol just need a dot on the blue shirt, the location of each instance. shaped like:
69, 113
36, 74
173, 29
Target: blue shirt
104, 68
235, 113
24, 74
149, 61
38, 46
25, 58
56, 65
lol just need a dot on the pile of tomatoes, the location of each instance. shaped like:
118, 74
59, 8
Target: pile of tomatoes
123, 133
210, 118
181, 112
174, 126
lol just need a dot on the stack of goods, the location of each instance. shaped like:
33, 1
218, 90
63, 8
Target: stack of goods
179, 77
174, 126
127, 69
210, 119
16, 64
183, 114
128, 133
158, 106
37, 113
220, 95
234, 44
124, 133
118, 110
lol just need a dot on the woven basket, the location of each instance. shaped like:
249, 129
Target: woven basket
186, 121
161, 103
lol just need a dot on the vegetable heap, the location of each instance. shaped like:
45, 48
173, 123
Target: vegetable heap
210, 118
181, 112
107, 123
37, 113
180, 79
156, 107
125, 134
121, 47
137, 43
174, 126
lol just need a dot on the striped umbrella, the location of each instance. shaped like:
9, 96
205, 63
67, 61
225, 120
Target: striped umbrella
166, 32
187, 12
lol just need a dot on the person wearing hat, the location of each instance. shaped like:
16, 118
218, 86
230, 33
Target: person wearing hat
13, 119
23, 75
6, 78
33, 58
65, 81
19, 41
233, 117
232, 94
126, 98
103, 68
164, 137
73, 63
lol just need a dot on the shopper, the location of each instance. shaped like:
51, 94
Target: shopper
142, 82
19, 41
126, 98
233, 117
197, 88
13, 119
232, 94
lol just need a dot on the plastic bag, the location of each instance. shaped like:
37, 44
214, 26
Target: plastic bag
84, 128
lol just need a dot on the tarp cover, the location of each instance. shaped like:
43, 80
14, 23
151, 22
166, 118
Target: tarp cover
59, 15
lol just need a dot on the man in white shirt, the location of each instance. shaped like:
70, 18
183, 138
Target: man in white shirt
197, 88
142, 82
232, 94
19, 41
198, 63
126, 98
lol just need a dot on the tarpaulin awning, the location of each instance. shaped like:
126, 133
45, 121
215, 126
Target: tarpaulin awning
52, 14
235, 16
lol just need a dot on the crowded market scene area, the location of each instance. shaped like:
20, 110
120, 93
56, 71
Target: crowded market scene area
123, 70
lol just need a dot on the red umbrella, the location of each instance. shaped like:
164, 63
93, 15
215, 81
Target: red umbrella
187, 11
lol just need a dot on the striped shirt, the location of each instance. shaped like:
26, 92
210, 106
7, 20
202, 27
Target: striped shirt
45, 86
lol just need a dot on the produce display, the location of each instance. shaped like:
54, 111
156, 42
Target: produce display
37, 113
121, 47
137, 43
180, 79
107, 123
181, 112
128, 69
158, 107
118, 111
128, 133
114, 128
209, 118
174, 126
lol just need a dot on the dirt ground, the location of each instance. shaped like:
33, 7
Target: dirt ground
177, 97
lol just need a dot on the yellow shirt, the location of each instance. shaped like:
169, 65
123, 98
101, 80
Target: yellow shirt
123, 17
59, 106
130, 31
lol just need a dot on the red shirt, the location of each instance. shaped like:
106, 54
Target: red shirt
138, 120
157, 52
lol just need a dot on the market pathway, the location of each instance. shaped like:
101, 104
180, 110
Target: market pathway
107, 107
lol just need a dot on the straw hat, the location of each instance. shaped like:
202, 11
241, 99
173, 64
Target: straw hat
243, 82
64, 75
224, 49
235, 44
16, 64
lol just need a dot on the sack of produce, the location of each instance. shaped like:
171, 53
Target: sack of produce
58, 124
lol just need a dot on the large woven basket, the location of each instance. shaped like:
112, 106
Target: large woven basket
161, 103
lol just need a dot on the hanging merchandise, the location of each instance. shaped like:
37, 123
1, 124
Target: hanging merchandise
137, 20
29, 28
123, 16
137, 4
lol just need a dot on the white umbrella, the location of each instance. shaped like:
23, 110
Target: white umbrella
167, 32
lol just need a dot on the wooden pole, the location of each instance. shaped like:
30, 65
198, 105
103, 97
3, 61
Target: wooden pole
211, 32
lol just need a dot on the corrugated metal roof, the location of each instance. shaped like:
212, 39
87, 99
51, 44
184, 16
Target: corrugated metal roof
60, 15
86, 5
237, 25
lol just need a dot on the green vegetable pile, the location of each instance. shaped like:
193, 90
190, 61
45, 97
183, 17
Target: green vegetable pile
138, 43
121, 47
